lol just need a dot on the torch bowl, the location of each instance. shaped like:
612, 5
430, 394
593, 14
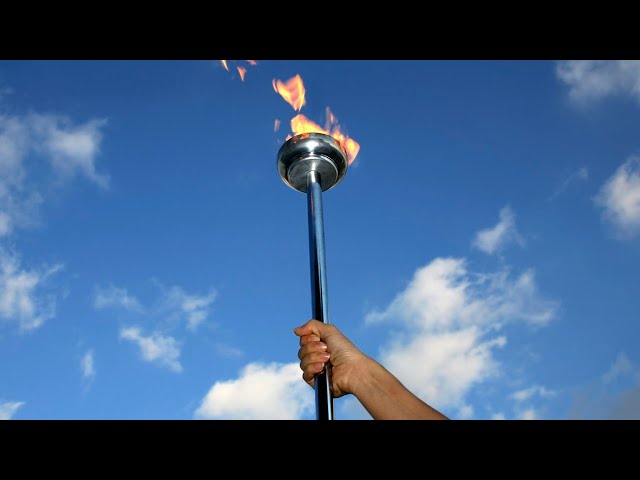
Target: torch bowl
312, 152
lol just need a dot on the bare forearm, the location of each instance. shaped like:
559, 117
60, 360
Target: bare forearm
385, 398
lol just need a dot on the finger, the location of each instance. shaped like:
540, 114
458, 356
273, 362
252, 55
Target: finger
312, 326
314, 357
310, 348
309, 338
311, 371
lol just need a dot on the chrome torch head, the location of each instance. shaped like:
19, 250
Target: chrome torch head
312, 152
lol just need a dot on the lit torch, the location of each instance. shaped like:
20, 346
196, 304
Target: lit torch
312, 163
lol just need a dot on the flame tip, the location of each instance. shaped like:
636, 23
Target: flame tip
292, 91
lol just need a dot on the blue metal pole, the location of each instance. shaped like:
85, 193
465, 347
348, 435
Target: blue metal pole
319, 295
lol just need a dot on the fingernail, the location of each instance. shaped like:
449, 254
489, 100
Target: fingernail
323, 346
326, 355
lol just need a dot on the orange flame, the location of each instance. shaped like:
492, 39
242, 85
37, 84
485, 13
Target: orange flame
224, 64
292, 91
252, 62
301, 124
276, 125
242, 71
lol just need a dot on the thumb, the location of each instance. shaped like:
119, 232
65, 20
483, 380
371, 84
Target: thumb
312, 327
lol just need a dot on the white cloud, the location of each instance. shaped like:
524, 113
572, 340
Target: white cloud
9, 409
262, 391
492, 240
156, 348
619, 198
498, 416
591, 80
72, 149
528, 393
444, 294
21, 298
192, 308
116, 297
449, 318
441, 368
87, 365
16, 202
68, 148
529, 414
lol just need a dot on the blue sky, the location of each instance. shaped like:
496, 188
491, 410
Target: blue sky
484, 245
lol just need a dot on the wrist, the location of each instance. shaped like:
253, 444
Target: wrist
362, 375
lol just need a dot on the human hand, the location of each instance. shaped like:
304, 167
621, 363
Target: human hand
320, 343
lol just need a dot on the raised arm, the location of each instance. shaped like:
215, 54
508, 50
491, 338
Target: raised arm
353, 372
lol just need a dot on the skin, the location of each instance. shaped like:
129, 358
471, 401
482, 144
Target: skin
353, 372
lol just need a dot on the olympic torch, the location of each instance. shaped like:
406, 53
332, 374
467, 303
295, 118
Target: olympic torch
313, 163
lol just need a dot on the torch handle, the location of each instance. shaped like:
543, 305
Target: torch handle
319, 296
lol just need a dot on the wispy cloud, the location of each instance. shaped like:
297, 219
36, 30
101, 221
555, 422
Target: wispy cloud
591, 80
23, 299
174, 302
621, 367
529, 414
9, 409
68, 148
492, 240
261, 391
528, 393
155, 348
18, 204
228, 351
72, 149
106, 297
619, 198
614, 395
580, 175
193, 308
87, 366
447, 321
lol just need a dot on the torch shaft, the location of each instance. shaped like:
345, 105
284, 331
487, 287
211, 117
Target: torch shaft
319, 296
